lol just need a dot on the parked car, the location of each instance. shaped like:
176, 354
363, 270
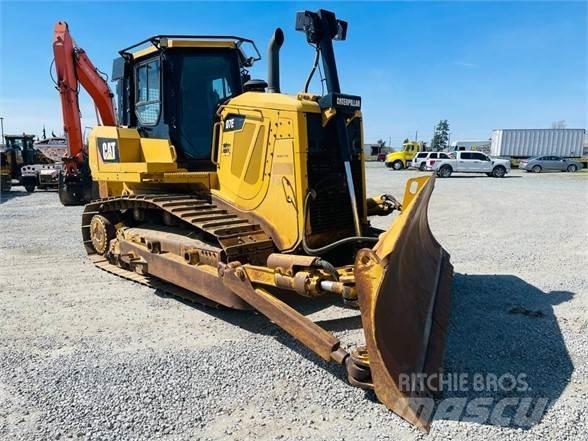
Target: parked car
544, 163
421, 159
471, 162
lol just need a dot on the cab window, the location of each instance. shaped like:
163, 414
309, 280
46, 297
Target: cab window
479, 156
221, 88
148, 92
443, 156
466, 155
433, 156
15, 143
422, 155
197, 83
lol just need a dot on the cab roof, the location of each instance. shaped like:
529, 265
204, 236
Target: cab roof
158, 42
22, 135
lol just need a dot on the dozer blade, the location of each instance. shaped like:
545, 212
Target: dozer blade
404, 287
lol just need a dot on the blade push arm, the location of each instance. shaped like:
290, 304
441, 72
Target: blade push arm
74, 68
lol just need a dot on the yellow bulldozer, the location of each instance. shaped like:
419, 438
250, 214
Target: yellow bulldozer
224, 190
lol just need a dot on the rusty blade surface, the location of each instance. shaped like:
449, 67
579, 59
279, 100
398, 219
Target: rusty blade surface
404, 288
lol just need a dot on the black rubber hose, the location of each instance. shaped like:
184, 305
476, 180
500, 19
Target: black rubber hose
323, 250
312, 71
328, 267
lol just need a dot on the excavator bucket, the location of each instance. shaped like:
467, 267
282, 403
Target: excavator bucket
404, 287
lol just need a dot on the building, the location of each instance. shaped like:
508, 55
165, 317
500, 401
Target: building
371, 151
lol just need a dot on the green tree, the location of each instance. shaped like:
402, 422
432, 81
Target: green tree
440, 139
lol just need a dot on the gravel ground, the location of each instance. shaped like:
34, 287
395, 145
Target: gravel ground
86, 355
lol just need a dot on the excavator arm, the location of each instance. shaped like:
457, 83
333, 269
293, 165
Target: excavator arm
74, 68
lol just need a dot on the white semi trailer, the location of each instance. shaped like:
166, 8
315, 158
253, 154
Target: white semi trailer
517, 144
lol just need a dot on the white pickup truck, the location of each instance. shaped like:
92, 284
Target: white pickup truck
471, 162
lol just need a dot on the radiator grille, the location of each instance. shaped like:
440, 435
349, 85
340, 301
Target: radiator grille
330, 211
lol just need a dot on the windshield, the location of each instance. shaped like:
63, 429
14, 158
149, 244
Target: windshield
21, 143
15, 143
200, 82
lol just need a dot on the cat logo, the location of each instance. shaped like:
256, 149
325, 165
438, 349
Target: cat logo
108, 148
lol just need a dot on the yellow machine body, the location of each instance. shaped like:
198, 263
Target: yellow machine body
260, 168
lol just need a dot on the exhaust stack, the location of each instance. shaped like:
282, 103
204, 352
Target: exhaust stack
273, 61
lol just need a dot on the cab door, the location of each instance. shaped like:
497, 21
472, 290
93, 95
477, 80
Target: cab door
464, 162
555, 163
482, 162
410, 152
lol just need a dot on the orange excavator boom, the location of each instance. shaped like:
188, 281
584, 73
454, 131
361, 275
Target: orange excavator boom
74, 69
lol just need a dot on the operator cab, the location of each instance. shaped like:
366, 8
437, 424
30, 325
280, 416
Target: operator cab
172, 89
19, 151
411, 147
